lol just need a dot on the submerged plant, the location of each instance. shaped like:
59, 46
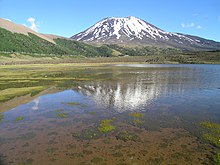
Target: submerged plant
127, 136
217, 159
62, 115
19, 119
137, 118
212, 133
1, 117
105, 126
87, 134
137, 115
71, 103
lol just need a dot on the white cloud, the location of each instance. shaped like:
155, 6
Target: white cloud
198, 27
191, 25
188, 25
33, 24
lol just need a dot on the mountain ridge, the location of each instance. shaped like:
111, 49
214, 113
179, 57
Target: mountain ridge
132, 30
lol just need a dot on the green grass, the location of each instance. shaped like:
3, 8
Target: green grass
217, 159
10, 93
212, 132
1, 117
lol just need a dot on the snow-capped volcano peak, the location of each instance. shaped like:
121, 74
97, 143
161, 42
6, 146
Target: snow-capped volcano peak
133, 30
116, 28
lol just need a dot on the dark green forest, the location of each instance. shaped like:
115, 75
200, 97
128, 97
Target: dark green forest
15, 42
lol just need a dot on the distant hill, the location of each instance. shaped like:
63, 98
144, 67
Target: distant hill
134, 31
18, 38
21, 29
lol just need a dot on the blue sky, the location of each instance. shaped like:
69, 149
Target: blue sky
68, 17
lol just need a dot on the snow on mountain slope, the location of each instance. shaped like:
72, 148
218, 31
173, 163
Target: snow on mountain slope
134, 30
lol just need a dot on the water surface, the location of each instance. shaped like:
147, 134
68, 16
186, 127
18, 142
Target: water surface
155, 111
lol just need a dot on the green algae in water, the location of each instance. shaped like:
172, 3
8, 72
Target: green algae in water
137, 115
212, 133
87, 134
137, 118
127, 136
105, 126
217, 159
19, 119
59, 110
137, 122
1, 117
62, 115
71, 103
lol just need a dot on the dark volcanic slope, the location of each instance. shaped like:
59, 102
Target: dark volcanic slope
131, 30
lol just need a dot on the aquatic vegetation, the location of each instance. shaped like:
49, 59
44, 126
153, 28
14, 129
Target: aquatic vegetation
62, 115
93, 113
97, 160
59, 110
71, 103
87, 134
1, 117
137, 122
105, 126
51, 150
137, 115
75, 104
137, 118
27, 136
19, 119
216, 159
212, 133
127, 136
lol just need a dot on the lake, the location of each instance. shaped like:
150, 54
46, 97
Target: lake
136, 114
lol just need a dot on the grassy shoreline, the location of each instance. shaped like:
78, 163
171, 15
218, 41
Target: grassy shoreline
190, 58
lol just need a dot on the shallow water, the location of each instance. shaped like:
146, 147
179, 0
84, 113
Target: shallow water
155, 111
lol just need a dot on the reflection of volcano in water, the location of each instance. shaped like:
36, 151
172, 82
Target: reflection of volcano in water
122, 96
136, 90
